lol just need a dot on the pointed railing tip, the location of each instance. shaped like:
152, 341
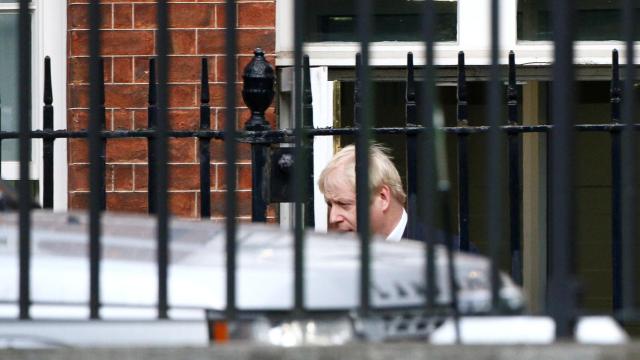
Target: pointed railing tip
48, 93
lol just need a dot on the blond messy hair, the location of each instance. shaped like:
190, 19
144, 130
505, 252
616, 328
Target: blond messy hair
382, 171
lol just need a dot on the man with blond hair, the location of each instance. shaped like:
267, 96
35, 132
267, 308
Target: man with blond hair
337, 183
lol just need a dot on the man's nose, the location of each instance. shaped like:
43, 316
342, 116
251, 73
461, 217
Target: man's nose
334, 215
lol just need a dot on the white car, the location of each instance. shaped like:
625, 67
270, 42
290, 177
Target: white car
196, 282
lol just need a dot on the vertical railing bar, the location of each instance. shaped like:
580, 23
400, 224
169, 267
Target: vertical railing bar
230, 155
152, 114
561, 301
463, 155
362, 169
24, 93
494, 166
515, 202
47, 143
204, 143
300, 160
307, 121
161, 173
0, 139
616, 185
411, 150
629, 192
96, 120
426, 162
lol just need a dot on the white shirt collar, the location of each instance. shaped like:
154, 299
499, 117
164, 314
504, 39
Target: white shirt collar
396, 234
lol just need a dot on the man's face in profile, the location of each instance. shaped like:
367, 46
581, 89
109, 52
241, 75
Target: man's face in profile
341, 202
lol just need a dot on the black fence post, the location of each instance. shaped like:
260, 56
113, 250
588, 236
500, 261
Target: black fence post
257, 93
307, 124
96, 158
24, 191
463, 156
204, 144
411, 151
515, 186
47, 142
616, 186
0, 137
152, 113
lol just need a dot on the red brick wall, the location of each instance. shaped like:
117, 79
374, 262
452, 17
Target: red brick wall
128, 40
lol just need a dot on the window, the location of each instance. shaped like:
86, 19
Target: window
48, 38
596, 20
9, 76
335, 20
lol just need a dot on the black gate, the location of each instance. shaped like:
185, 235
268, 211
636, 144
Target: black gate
428, 186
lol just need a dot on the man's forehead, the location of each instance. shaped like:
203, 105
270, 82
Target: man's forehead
336, 187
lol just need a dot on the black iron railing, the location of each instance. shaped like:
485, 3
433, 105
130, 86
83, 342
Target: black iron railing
428, 189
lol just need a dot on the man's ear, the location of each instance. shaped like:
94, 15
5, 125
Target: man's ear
384, 195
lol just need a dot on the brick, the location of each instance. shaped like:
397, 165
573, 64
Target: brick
122, 119
79, 201
211, 42
78, 150
180, 16
78, 96
183, 204
217, 94
182, 96
182, 150
123, 16
260, 14
79, 177
123, 177
221, 16
141, 70
140, 177
127, 42
183, 119
114, 42
130, 150
127, 202
78, 119
185, 69
109, 178
182, 42
126, 96
243, 151
78, 70
191, 15
243, 177
123, 70
184, 177
140, 119
144, 16
250, 39
218, 203
78, 16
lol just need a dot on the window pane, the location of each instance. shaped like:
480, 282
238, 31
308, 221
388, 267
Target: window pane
9, 82
595, 20
393, 20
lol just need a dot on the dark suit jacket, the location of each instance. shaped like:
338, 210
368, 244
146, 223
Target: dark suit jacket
422, 232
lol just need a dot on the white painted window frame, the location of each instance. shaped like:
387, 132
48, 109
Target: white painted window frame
474, 26
49, 32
